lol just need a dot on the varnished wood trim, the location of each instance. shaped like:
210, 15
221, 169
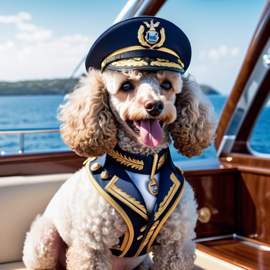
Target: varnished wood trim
253, 170
233, 160
241, 251
38, 156
252, 241
258, 42
212, 172
224, 257
41, 163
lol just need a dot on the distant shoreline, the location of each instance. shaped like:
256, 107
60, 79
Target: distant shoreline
38, 87
55, 87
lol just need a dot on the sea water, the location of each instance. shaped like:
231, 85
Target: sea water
40, 112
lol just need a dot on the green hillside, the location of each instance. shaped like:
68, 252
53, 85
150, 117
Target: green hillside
53, 87
39, 87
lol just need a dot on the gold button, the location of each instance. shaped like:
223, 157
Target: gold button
140, 237
104, 175
95, 167
204, 215
143, 228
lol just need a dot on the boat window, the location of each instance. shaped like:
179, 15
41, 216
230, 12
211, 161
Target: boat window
260, 138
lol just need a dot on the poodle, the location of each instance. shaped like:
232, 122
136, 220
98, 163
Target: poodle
79, 228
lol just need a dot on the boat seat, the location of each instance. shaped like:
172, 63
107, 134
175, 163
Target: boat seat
205, 261
22, 198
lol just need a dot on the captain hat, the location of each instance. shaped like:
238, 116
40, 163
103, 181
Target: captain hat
145, 43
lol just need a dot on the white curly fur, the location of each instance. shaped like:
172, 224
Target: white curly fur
44, 242
78, 215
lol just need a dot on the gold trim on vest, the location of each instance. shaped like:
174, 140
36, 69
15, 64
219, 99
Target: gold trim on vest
163, 205
125, 198
133, 163
119, 209
165, 218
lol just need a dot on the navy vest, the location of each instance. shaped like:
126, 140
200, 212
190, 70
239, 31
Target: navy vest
120, 191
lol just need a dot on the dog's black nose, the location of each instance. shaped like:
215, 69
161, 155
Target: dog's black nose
154, 107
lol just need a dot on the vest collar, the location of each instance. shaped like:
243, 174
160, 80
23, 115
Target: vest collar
137, 163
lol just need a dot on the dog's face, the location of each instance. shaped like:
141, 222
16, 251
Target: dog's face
137, 110
143, 103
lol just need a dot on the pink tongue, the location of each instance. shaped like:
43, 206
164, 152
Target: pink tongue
151, 132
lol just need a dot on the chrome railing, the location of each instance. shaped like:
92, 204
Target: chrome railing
22, 131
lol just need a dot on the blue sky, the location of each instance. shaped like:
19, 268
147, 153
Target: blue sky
47, 39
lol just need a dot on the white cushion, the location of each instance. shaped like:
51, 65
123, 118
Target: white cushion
12, 266
22, 198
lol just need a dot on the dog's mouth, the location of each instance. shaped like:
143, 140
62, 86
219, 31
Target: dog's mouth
150, 130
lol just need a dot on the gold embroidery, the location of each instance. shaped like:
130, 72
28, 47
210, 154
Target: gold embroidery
165, 218
162, 60
125, 198
129, 63
133, 63
134, 163
135, 48
144, 43
162, 160
181, 63
152, 24
162, 39
163, 205
124, 243
141, 38
118, 208
140, 237
143, 228
168, 61
166, 64
146, 240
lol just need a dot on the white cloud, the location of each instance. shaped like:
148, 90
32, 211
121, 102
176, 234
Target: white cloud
39, 35
234, 52
214, 54
15, 18
35, 53
217, 67
7, 46
221, 53
26, 27
202, 54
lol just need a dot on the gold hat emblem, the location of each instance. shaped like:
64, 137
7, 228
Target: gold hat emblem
151, 37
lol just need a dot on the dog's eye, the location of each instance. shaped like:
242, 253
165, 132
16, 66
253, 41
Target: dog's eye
126, 86
166, 85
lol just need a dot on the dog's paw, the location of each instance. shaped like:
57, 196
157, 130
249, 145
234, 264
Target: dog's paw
41, 247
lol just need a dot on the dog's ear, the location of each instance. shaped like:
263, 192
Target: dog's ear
195, 125
89, 126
